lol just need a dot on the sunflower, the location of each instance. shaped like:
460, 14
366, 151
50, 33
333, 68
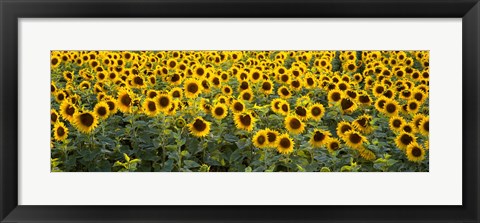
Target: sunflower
112, 104
284, 108
284, 93
319, 137
348, 106
366, 154
408, 128
316, 111
272, 137
246, 95
192, 88
396, 123
60, 131
53, 116
176, 93
362, 124
419, 95
333, 144
354, 139
164, 102
301, 112
150, 107
343, 127
227, 90
267, 87
199, 71
68, 76
55, 62
424, 126
275, 104
415, 152
260, 139
244, 85
335, 95
417, 119
285, 144
378, 89
199, 127
60, 96
380, 104
404, 139
101, 110
391, 108
86, 121
68, 111
364, 99
294, 125
125, 101
237, 106
245, 121
219, 111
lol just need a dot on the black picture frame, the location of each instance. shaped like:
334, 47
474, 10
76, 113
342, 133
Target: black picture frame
11, 11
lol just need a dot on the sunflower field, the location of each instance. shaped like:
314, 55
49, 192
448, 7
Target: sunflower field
239, 111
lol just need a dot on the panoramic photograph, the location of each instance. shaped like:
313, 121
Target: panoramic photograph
239, 111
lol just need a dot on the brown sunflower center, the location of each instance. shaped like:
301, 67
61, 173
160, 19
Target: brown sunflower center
284, 78
345, 128
285, 91
54, 61
416, 152
381, 103
310, 81
285, 143
192, 88
355, 138
406, 139
362, 122
53, 117
352, 94
199, 125
285, 107
295, 123
102, 111
246, 120
295, 84
379, 89
246, 96
261, 140
336, 96
301, 111
200, 71
151, 106
175, 78
138, 80
413, 106
238, 106
334, 146
244, 85
266, 86
407, 128
391, 108
316, 111
111, 105
255, 75
60, 131
219, 111
86, 119
351, 67
319, 136
126, 100
70, 110
227, 90
346, 103
418, 96
61, 97
271, 136
364, 99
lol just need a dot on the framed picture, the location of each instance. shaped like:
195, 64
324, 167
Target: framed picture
239, 111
